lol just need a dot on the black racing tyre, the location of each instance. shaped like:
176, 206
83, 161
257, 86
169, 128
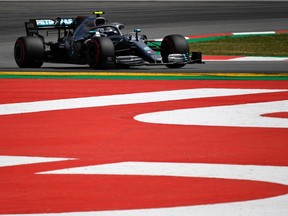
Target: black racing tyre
101, 53
172, 44
29, 52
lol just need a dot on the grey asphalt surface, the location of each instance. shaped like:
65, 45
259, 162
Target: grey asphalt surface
156, 19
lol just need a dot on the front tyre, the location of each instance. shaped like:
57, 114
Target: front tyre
101, 53
174, 44
29, 52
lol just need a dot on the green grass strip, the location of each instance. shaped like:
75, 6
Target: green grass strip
143, 76
275, 45
243, 45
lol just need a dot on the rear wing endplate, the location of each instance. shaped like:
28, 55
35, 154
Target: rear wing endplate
34, 25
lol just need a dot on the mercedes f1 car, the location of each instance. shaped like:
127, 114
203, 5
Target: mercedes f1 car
92, 40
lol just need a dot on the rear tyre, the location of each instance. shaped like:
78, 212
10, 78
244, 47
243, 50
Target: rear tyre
173, 44
101, 53
29, 52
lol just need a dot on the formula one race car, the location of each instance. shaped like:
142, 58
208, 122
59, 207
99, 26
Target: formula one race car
92, 40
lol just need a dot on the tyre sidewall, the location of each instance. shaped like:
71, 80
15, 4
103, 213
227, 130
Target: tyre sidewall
101, 53
172, 44
29, 52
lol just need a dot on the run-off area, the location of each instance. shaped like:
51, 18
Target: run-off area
95, 147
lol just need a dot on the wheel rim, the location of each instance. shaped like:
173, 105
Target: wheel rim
167, 48
19, 52
94, 54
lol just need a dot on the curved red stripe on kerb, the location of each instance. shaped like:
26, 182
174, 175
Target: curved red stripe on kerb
105, 192
220, 57
110, 134
210, 35
282, 32
276, 115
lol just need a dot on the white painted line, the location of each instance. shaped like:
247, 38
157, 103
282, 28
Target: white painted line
243, 115
22, 160
276, 206
255, 58
247, 58
123, 99
254, 33
273, 174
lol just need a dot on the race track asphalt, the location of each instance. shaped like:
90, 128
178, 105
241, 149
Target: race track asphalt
51, 125
156, 19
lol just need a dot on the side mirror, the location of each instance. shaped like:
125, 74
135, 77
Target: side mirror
136, 32
121, 26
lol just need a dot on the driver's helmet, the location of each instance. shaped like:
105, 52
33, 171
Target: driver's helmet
109, 30
99, 21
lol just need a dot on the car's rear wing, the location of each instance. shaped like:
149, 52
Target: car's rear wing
34, 25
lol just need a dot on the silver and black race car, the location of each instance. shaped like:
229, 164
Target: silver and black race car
94, 41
